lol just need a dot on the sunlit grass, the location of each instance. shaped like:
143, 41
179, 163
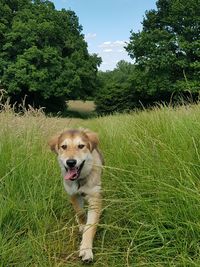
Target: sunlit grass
151, 185
81, 106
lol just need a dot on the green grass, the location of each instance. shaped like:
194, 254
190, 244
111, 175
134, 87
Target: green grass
151, 185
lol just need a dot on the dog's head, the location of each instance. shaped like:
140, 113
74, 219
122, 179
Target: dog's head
74, 149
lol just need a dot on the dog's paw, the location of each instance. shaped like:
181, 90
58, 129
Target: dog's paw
86, 254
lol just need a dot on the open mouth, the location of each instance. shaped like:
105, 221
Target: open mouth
73, 173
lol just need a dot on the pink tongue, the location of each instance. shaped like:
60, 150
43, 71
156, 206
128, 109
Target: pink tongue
72, 173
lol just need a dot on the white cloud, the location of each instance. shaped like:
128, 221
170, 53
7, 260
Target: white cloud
116, 44
111, 52
107, 50
90, 36
105, 63
104, 44
119, 43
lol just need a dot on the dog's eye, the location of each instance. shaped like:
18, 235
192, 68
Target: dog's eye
81, 146
64, 147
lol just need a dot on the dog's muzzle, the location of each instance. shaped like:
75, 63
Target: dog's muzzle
74, 172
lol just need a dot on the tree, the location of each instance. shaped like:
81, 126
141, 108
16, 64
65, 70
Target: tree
43, 54
167, 50
116, 90
166, 56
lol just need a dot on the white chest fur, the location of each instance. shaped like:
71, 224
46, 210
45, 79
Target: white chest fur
71, 187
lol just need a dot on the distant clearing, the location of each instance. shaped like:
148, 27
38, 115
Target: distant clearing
81, 106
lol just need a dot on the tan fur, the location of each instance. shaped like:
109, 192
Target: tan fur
93, 137
81, 218
87, 186
53, 143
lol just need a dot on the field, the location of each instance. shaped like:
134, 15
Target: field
81, 109
151, 214
81, 106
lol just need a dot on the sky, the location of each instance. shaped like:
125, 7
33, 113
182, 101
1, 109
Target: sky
107, 25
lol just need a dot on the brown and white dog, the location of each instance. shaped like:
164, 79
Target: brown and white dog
81, 166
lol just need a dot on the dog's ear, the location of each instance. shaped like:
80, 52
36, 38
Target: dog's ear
53, 143
93, 139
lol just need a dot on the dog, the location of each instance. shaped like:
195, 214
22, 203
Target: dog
81, 164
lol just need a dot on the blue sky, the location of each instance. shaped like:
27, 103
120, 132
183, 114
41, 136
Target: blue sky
107, 25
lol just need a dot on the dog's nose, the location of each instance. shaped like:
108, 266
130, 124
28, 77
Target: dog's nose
71, 163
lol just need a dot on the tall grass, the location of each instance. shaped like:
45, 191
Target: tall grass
151, 185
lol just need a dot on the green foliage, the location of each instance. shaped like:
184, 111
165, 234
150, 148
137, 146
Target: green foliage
116, 92
167, 50
43, 54
167, 61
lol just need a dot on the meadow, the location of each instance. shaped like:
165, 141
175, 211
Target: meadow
151, 186
80, 109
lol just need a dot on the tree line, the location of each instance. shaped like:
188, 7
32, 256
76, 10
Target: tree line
167, 60
43, 55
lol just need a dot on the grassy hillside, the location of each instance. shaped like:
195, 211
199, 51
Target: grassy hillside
151, 187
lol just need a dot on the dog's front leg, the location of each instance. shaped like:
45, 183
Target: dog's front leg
94, 211
77, 203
